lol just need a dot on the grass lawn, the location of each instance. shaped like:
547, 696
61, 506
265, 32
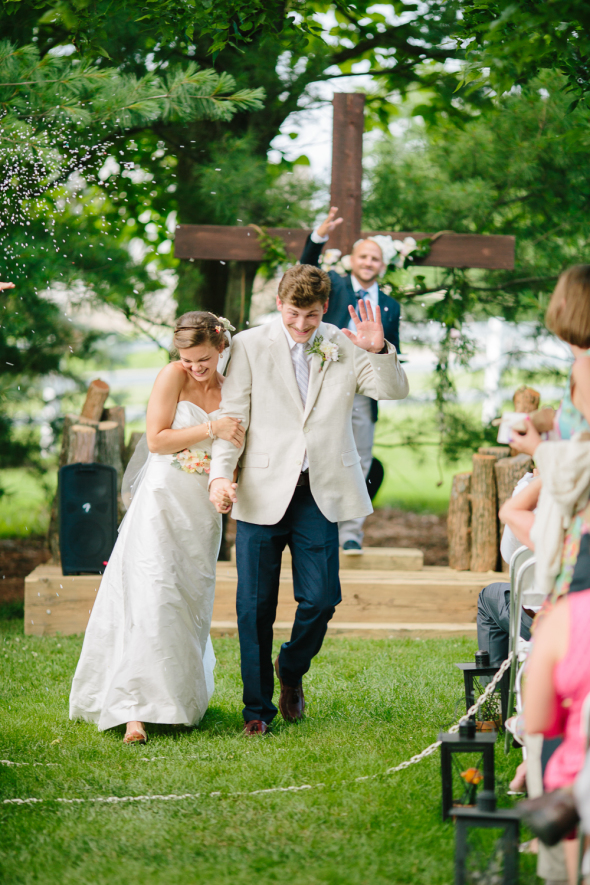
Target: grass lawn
411, 479
24, 509
371, 704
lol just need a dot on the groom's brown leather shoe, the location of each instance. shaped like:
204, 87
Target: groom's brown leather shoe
255, 726
292, 700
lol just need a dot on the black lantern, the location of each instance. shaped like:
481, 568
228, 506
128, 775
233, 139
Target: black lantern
472, 674
477, 863
452, 749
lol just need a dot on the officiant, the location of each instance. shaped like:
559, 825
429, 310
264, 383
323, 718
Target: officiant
367, 263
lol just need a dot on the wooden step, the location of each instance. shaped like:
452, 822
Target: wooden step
407, 559
434, 599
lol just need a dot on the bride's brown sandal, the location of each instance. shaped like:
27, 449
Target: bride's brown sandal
135, 737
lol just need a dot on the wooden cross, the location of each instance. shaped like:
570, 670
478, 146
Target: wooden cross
221, 243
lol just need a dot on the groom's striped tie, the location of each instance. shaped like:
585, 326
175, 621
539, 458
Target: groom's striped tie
301, 367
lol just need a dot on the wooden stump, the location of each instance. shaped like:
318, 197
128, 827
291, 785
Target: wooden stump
117, 413
497, 451
81, 443
484, 514
526, 400
508, 472
131, 446
459, 522
108, 450
96, 396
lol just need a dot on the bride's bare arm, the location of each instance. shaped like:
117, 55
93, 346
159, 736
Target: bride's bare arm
161, 439
160, 414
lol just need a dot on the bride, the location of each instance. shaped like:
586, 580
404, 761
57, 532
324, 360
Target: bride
147, 655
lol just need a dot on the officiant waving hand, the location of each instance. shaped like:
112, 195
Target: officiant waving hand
292, 384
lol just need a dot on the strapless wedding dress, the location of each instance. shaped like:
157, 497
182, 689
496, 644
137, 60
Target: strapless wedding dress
147, 654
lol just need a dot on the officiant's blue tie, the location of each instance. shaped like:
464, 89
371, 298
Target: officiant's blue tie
362, 293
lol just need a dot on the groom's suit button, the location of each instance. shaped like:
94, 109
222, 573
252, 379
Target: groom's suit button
298, 463
306, 429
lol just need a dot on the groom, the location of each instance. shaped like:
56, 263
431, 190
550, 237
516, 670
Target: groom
292, 383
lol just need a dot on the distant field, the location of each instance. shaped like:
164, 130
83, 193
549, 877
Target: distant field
25, 506
411, 479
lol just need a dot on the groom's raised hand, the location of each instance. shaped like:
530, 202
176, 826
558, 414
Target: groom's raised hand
222, 494
369, 328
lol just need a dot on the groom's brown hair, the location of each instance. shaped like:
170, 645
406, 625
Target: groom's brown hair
304, 285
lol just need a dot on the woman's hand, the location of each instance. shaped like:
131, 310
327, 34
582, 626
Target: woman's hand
526, 442
229, 429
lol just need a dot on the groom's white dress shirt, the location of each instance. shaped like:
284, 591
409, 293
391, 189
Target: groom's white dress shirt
261, 388
301, 360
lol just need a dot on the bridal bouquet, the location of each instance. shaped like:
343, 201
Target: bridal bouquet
192, 462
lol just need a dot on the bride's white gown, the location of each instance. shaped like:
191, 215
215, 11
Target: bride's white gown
147, 654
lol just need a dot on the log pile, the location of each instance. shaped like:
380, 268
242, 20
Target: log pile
474, 528
96, 434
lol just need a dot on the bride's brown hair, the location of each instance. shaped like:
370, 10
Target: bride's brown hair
198, 327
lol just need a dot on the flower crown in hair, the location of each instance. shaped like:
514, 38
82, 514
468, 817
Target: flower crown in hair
223, 324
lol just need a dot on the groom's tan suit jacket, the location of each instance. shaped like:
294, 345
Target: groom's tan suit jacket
261, 389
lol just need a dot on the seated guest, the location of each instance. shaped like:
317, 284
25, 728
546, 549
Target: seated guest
568, 315
493, 604
557, 684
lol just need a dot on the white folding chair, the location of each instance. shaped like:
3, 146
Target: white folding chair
522, 574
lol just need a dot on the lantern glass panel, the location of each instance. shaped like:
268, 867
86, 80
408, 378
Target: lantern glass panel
486, 853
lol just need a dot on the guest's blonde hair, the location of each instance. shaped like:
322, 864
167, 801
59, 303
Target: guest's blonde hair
568, 313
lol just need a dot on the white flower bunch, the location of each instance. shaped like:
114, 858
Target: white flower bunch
192, 462
403, 248
225, 324
330, 351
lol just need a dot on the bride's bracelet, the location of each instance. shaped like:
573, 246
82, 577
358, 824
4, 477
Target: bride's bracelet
210, 430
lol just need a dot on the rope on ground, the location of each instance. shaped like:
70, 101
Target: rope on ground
113, 800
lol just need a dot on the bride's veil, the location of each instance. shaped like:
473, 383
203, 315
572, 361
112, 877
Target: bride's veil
138, 463
135, 471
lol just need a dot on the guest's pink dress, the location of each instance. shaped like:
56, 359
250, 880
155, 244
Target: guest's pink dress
572, 685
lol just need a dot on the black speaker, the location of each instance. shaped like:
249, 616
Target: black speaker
375, 477
87, 517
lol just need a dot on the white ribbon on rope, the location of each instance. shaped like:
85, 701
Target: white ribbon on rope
113, 800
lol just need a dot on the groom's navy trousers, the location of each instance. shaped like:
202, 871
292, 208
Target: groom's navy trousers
313, 541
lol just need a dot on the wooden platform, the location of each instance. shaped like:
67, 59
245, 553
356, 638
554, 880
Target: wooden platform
407, 559
435, 601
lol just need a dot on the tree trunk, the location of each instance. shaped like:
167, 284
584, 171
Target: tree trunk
459, 522
98, 391
117, 413
484, 514
508, 472
526, 400
131, 446
239, 292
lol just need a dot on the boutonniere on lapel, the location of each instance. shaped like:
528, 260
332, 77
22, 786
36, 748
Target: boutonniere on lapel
326, 350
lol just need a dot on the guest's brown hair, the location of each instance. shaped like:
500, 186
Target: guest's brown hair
568, 314
304, 285
198, 327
